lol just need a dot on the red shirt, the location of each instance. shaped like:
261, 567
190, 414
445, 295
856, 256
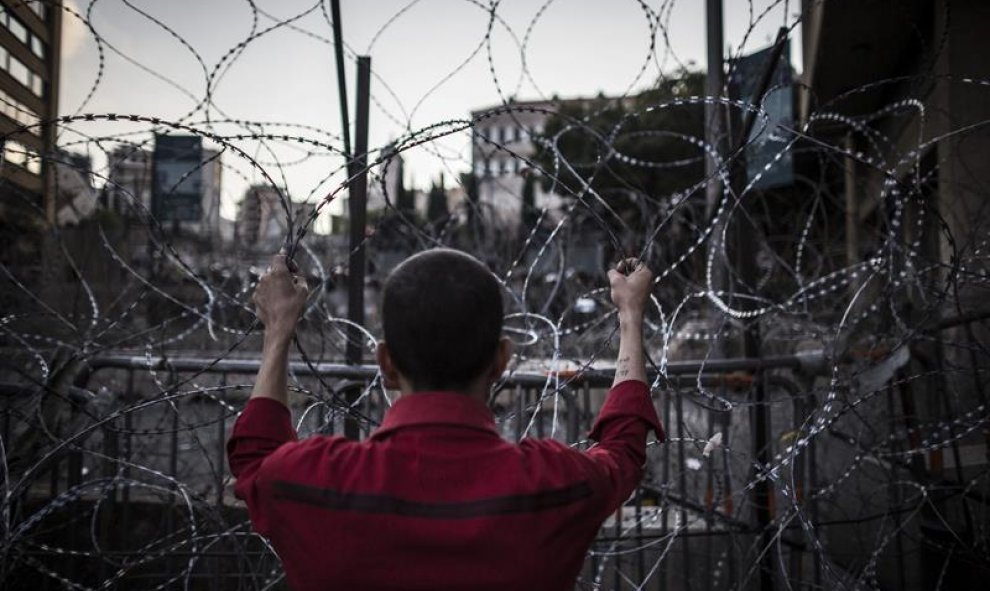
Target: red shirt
435, 498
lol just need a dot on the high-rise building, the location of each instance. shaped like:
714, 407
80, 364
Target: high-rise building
130, 187
75, 194
29, 69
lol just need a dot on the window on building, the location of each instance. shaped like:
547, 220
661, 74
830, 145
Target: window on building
39, 8
33, 164
19, 71
516, 133
502, 133
18, 154
515, 165
18, 111
12, 153
503, 166
17, 29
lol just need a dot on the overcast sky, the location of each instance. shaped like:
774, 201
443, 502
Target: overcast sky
431, 61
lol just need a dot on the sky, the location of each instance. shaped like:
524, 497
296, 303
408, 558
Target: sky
432, 61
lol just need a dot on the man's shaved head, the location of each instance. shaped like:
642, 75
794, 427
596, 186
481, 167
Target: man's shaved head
442, 317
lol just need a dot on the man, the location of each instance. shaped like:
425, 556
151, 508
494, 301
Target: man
435, 498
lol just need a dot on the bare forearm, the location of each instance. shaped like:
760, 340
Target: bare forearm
630, 364
272, 380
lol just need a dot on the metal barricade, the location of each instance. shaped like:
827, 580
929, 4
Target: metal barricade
121, 481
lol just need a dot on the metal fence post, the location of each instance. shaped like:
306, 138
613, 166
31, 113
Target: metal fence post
357, 172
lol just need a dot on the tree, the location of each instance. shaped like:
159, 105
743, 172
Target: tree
635, 153
530, 214
405, 200
436, 205
472, 198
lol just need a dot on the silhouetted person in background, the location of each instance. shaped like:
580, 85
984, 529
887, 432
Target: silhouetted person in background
435, 498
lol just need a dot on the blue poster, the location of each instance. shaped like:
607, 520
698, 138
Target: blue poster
177, 191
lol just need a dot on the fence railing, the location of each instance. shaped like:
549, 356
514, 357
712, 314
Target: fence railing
120, 480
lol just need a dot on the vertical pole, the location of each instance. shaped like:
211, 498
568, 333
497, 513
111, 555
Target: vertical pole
128, 445
109, 510
716, 140
727, 504
221, 437
710, 502
173, 471
53, 18
640, 559
714, 113
520, 409
218, 563
745, 255
799, 476
538, 401
665, 474
683, 490
744, 232
761, 449
338, 47
852, 209
357, 171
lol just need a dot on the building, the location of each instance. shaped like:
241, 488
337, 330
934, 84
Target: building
261, 222
502, 141
386, 177
209, 222
29, 71
130, 188
76, 197
898, 88
129, 181
257, 215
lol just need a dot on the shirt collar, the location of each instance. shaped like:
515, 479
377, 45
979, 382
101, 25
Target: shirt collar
436, 408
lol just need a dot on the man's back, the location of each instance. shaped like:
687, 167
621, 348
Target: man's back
435, 499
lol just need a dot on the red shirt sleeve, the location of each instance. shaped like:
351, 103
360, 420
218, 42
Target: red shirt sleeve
621, 430
263, 427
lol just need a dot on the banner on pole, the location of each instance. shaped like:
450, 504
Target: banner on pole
767, 154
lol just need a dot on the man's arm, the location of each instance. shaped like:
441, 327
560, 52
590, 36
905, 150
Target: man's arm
628, 414
630, 293
265, 425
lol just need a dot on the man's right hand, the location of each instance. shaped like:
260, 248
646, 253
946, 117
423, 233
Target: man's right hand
631, 281
279, 299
